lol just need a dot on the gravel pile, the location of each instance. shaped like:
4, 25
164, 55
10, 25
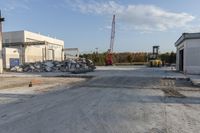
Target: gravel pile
70, 65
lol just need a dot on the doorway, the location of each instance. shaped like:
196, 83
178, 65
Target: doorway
50, 54
181, 60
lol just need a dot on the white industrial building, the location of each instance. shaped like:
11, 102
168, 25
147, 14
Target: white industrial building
188, 53
26, 47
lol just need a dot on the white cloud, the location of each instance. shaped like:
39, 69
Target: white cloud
10, 5
191, 29
137, 17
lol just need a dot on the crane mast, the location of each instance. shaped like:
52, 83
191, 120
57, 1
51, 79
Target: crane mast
109, 56
112, 34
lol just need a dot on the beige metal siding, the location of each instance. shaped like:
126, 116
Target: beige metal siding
52, 49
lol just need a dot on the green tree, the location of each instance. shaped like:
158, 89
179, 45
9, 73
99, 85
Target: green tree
129, 58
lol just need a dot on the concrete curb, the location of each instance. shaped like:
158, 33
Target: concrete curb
176, 77
7, 75
195, 79
195, 82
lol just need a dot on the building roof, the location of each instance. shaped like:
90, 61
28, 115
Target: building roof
32, 36
24, 43
186, 36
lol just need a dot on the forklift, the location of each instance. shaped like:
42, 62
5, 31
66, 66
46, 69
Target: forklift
153, 58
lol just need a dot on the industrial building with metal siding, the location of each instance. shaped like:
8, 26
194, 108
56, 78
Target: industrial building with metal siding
30, 47
188, 53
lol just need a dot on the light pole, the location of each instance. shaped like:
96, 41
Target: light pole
96, 50
1, 60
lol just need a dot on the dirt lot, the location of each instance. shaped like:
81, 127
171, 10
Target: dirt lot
116, 100
16, 89
13, 82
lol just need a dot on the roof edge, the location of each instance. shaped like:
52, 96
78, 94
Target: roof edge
186, 36
38, 33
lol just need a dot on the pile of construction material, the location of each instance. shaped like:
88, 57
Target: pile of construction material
75, 66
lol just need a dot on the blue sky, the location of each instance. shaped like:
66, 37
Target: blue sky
85, 24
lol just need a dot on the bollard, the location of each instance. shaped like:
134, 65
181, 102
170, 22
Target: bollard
30, 84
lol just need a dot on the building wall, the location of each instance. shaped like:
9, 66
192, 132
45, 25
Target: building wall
51, 51
57, 52
179, 48
15, 36
34, 53
192, 56
37, 53
42, 52
1, 53
30, 36
13, 53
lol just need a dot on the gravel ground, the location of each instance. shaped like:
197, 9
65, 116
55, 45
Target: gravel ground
116, 100
16, 89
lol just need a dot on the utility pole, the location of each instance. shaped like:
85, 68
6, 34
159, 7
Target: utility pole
1, 43
96, 50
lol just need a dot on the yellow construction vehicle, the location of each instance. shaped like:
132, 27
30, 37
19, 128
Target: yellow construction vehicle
155, 63
153, 59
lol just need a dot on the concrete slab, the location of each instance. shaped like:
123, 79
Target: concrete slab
195, 79
118, 101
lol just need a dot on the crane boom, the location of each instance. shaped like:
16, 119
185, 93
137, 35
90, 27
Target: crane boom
109, 56
112, 34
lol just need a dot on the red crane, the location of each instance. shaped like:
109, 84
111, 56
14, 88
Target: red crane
109, 58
